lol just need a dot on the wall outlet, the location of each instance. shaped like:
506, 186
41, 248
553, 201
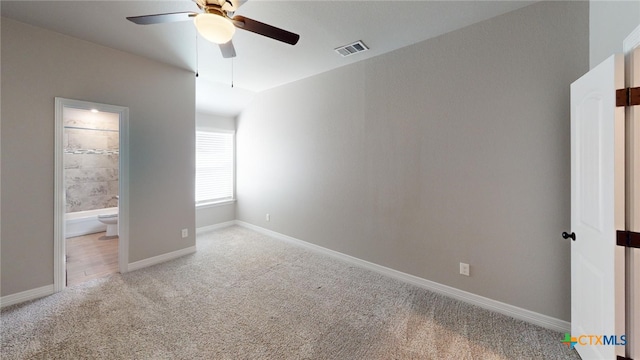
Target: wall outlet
464, 269
185, 233
268, 217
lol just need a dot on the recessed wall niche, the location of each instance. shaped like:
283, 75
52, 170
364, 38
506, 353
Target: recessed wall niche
91, 158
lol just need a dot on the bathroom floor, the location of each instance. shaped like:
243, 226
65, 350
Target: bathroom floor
90, 257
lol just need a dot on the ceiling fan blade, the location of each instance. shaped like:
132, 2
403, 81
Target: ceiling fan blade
258, 27
162, 18
227, 49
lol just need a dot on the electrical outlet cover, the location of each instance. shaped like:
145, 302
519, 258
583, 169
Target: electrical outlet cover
464, 269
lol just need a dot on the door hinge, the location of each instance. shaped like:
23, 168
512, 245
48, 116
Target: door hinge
628, 97
628, 239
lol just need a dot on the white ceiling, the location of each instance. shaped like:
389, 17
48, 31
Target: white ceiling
261, 63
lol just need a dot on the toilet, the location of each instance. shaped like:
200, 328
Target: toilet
112, 223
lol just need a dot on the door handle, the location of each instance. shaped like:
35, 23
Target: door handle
566, 235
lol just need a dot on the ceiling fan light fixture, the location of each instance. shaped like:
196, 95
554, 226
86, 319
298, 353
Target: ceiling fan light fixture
214, 28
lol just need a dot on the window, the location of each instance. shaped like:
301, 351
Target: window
214, 166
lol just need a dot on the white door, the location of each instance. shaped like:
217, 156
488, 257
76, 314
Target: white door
597, 209
633, 208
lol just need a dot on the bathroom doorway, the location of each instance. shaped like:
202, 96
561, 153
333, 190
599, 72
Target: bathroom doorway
91, 191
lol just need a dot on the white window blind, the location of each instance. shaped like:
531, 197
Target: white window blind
214, 166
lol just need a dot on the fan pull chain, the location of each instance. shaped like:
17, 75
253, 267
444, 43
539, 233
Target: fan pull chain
197, 72
232, 72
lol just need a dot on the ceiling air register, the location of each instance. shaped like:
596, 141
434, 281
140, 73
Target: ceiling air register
350, 49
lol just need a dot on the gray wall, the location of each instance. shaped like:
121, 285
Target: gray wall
215, 214
38, 65
609, 24
452, 150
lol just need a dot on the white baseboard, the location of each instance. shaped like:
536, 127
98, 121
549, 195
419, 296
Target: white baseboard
470, 298
26, 295
483, 302
160, 258
49, 289
204, 229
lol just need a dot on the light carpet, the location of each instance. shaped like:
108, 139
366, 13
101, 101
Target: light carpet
244, 295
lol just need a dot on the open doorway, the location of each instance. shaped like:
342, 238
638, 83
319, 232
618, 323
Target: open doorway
91, 163
91, 173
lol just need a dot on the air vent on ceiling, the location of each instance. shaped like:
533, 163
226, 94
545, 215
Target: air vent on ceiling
351, 49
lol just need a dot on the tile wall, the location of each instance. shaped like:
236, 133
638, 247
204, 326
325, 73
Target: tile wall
91, 144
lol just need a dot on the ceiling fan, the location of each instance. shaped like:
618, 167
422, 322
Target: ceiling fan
217, 24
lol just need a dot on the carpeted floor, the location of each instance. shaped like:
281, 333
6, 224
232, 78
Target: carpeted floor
246, 296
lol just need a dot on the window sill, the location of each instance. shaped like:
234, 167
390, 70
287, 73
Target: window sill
215, 203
